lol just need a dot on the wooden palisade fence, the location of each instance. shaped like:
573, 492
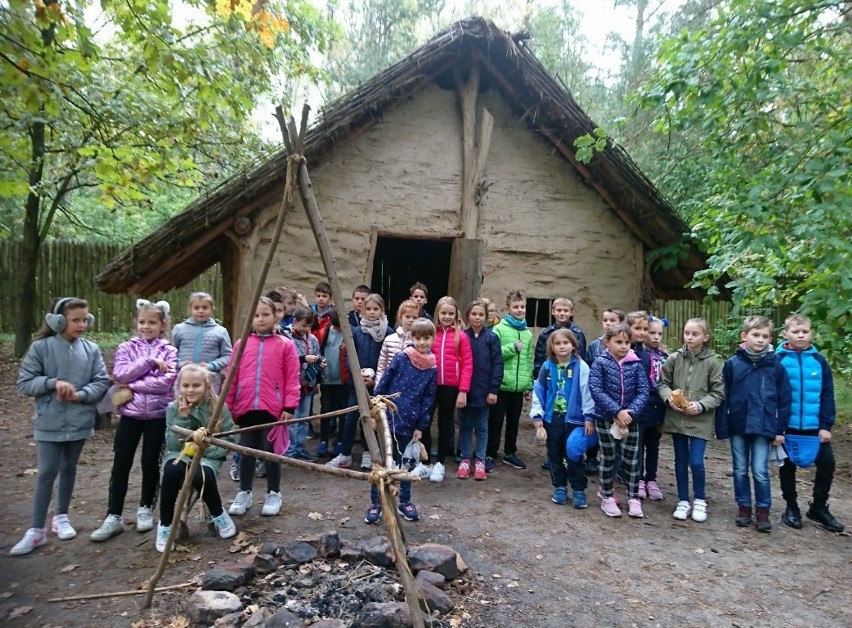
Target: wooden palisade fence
68, 269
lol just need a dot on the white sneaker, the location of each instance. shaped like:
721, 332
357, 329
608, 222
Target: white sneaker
272, 504
144, 519
33, 538
111, 526
242, 502
437, 474
162, 537
366, 461
699, 510
340, 461
225, 525
423, 470
62, 527
682, 511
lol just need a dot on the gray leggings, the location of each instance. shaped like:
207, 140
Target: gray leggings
55, 458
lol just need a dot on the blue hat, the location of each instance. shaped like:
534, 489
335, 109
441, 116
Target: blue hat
802, 450
578, 444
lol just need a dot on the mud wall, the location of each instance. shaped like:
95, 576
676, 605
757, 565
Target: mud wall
543, 230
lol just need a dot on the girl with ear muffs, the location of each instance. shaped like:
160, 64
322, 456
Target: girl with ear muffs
65, 373
145, 368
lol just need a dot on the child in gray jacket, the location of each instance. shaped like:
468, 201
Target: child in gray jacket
66, 375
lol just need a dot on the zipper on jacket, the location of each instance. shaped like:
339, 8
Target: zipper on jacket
443, 367
198, 340
257, 374
518, 367
801, 391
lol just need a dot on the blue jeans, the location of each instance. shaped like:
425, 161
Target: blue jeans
299, 431
689, 454
751, 450
473, 420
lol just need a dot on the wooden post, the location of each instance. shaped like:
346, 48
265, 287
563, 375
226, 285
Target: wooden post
466, 256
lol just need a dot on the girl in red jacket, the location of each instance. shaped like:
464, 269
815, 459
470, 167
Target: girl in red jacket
265, 389
455, 369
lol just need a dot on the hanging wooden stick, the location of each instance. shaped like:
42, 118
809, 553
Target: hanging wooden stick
286, 204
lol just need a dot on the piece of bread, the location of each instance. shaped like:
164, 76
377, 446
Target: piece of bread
121, 396
678, 400
541, 434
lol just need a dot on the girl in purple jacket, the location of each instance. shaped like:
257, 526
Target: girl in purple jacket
146, 366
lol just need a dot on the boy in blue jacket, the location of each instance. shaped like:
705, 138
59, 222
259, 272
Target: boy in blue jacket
754, 416
812, 414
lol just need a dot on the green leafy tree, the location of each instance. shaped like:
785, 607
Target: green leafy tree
761, 96
126, 102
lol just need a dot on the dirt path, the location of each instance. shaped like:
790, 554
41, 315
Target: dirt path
538, 564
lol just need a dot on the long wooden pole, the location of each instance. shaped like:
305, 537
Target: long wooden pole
286, 203
389, 511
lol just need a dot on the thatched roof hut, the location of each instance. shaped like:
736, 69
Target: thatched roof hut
469, 143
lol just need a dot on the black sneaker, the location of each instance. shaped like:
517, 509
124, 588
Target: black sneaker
489, 464
821, 515
546, 464
513, 461
792, 517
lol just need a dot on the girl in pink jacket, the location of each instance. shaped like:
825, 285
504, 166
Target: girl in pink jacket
145, 368
265, 389
455, 369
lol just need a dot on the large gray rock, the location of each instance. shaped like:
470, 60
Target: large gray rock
205, 607
231, 620
433, 578
269, 547
351, 551
284, 619
432, 598
227, 577
383, 615
297, 552
434, 557
378, 551
329, 544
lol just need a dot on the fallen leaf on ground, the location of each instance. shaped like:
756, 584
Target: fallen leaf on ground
29, 472
435, 516
20, 611
512, 585
68, 568
699, 551
316, 516
5, 595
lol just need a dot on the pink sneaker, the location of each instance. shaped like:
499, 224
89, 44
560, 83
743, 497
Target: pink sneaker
654, 491
610, 508
601, 496
463, 472
635, 508
641, 491
479, 470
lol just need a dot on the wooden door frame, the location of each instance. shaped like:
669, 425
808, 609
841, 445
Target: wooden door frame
376, 232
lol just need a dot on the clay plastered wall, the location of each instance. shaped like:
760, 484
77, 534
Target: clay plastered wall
404, 173
547, 233
543, 230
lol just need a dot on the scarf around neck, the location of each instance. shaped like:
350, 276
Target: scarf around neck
422, 361
377, 329
515, 323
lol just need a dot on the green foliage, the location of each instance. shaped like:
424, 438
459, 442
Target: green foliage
759, 99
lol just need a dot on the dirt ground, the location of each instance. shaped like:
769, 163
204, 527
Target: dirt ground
538, 564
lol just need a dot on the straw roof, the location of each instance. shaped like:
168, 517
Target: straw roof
171, 256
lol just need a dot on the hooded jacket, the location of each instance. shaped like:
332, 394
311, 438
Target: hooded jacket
812, 388
757, 397
134, 367
487, 367
268, 376
418, 387
699, 376
392, 345
202, 342
575, 390
455, 363
199, 416
618, 385
517, 366
80, 363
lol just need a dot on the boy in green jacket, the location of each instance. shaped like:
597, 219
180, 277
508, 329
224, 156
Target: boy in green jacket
516, 345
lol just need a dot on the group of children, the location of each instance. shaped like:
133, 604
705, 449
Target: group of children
600, 408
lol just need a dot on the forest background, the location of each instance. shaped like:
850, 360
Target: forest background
116, 114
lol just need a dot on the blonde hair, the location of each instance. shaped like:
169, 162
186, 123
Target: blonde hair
564, 301
638, 315
377, 299
796, 319
702, 323
561, 333
457, 321
199, 296
756, 321
203, 373
406, 306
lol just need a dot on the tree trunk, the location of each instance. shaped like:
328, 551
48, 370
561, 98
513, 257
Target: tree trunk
25, 319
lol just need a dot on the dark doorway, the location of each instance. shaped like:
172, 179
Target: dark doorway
399, 262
